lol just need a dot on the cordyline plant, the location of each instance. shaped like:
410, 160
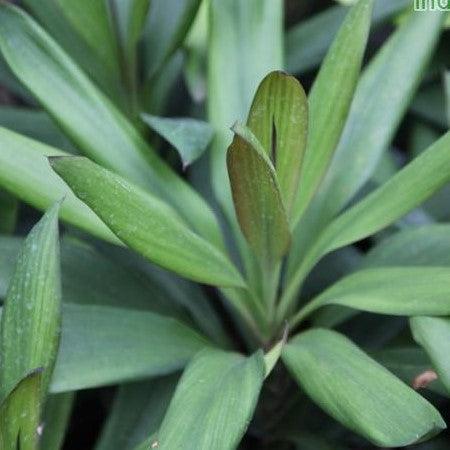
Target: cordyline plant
255, 348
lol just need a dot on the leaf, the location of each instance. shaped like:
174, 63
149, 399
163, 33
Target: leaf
330, 99
19, 414
137, 412
31, 318
402, 193
447, 93
101, 345
278, 118
433, 334
189, 137
257, 197
25, 172
35, 124
91, 120
358, 392
213, 403
57, 412
308, 41
373, 119
429, 104
404, 291
93, 22
9, 208
48, 13
428, 245
246, 37
148, 225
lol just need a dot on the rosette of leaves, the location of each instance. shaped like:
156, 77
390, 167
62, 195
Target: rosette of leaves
245, 301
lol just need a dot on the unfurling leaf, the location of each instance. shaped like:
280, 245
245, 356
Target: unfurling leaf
358, 392
278, 118
20, 414
257, 198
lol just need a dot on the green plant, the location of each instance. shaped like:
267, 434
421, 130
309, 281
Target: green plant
285, 180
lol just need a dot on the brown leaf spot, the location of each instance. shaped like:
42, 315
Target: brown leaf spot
424, 379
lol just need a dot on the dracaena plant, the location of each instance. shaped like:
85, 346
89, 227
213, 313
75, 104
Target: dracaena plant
156, 280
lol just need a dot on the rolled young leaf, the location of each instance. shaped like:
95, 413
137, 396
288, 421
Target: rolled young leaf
278, 118
405, 291
358, 392
101, 345
247, 37
433, 334
31, 318
90, 119
257, 197
330, 99
213, 403
190, 137
25, 172
20, 414
145, 223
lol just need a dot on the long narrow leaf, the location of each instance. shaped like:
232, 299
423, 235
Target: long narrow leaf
31, 318
407, 189
91, 120
330, 98
408, 291
25, 172
104, 345
213, 403
147, 224
358, 392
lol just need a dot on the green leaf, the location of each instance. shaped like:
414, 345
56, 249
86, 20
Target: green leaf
404, 291
428, 245
35, 124
246, 37
213, 403
137, 412
48, 13
308, 41
148, 225
20, 412
102, 345
31, 318
358, 392
433, 334
278, 118
93, 22
25, 172
91, 120
168, 24
402, 193
429, 104
9, 208
330, 99
373, 119
190, 137
57, 412
257, 197
447, 93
